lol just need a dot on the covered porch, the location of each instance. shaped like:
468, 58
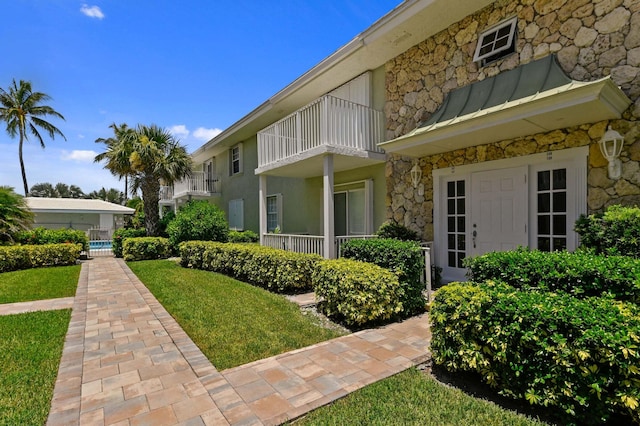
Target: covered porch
330, 135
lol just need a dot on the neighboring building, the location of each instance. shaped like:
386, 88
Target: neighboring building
494, 108
96, 217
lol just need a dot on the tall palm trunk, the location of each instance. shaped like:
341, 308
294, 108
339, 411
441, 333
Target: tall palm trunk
150, 196
24, 173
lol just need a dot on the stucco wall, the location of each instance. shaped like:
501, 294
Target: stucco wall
592, 39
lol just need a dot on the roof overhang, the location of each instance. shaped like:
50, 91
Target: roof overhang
409, 23
311, 163
568, 105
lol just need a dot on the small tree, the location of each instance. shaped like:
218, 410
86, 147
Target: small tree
15, 216
198, 220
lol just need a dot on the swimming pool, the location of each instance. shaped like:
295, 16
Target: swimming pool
97, 245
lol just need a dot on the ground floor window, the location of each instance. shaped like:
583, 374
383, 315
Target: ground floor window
274, 209
552, 209
456, 223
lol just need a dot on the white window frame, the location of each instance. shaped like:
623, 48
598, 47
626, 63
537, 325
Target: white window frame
278, 212
485, 57
236, 214
237, 148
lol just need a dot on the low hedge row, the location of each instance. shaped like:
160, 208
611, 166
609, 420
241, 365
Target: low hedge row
273, 269
41, 236
404, 258
146, 248
580, 355
581, 274
357, 292
121, 234
246, 236
13, 258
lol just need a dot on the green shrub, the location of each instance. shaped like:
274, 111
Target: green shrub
581, 274
357, 292
146, 248
404, 258
121, 234
243, 236
273, 269
13, 258
53, 236
614, 232
198, 221
552, 350
391, 229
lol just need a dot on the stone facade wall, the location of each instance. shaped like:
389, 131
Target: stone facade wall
592, 39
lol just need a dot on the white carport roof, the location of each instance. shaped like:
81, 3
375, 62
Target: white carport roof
74, 205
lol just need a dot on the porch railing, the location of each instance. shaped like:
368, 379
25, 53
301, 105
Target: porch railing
310, 244
328, 121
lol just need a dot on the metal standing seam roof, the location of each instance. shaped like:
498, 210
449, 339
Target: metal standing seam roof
74, 205
526, 80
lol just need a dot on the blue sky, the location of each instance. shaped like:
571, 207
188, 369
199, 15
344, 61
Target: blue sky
193, 66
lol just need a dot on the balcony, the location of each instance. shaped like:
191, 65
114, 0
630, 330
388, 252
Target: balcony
199, 184
294, 146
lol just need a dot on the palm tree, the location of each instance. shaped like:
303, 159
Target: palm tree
15, 216
44, 189
116, 154
21, 109
150, 155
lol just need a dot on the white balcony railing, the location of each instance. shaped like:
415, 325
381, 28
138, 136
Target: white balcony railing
199, 183
328, 121
309, 244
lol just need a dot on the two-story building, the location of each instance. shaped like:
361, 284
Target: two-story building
495, 116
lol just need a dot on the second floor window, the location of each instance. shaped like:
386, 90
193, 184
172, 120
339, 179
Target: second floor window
235, 159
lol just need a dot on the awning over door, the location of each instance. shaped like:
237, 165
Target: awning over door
534, 98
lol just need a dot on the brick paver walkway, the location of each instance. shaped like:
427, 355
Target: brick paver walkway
127, 362
37, 305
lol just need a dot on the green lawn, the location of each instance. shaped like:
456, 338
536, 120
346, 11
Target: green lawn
412, 398
39, 284
30, 351
233, 323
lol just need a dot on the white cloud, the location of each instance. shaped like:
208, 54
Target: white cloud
79, 155
92, 11
179, 131
205, 134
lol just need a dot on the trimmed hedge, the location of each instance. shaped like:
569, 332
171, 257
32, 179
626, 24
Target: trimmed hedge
42, 235
146, 248
581, 274
13, 258
123, 233
404, 258
392, 229
247, 236
357, 292
580, 355
277, 270
614, 232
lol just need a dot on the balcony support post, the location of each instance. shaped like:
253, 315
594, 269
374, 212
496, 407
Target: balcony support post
262, 197
328, 216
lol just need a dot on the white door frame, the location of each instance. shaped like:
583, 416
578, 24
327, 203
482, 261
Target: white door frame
574, 159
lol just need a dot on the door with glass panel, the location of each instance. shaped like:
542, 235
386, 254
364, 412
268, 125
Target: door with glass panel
349, 212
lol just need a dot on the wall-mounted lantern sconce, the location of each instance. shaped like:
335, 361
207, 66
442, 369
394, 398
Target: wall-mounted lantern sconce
611, 146
416, 174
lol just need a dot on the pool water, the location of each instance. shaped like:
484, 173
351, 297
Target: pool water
96, 245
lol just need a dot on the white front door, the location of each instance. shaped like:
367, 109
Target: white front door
499, 201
